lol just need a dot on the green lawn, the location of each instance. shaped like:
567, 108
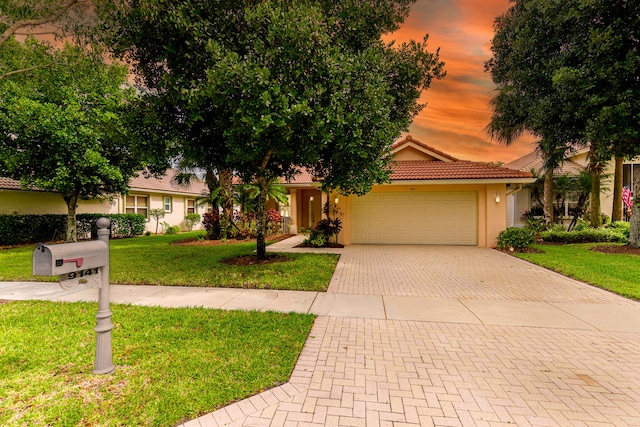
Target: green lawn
153, 260
619, 273
172, 365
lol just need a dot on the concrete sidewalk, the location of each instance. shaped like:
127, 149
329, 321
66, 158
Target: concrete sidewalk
580, 316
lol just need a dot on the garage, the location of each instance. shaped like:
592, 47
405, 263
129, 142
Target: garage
425, 218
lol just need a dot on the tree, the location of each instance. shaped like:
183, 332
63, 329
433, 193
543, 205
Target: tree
34, 17
530, 42
268, 87
157, 214
603, 79
67, 128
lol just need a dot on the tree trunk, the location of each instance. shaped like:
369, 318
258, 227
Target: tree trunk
596, 215
548, 197
261, 218
616, 211
634, 230
226, 186
71, 200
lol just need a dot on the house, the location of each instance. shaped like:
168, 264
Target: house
523, 200
433, 198
144, 194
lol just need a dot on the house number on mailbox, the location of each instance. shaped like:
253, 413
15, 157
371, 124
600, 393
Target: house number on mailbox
89, 277
78, 274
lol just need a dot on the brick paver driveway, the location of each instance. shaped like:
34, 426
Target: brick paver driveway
382, 372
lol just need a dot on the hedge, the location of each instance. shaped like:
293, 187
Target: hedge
18, 229
122, 225
21, 229
587, 235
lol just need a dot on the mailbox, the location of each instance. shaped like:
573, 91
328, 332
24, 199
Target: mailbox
54, 260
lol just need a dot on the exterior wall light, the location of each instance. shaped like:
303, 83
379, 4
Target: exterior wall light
497, 197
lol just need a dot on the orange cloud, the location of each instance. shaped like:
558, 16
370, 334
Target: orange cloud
458, 107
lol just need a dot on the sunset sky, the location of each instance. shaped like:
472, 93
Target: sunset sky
458, 105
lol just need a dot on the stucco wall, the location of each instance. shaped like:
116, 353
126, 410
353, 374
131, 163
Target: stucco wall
39, 203
36, 202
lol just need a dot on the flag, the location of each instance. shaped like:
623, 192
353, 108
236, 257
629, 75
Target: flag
626, 196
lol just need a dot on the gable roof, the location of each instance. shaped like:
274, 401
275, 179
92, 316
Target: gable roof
436, 167
164, 185
409, 142
533, 162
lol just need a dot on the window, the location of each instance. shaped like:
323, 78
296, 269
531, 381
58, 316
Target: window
167, 204
630, 171
191, 206
137, 204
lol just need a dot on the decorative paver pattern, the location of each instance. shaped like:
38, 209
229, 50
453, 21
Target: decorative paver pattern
385, 372
392, 373
461, 272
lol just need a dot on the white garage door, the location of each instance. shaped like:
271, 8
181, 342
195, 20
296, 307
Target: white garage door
433, 218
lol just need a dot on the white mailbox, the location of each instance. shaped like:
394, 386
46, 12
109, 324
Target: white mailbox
64, 258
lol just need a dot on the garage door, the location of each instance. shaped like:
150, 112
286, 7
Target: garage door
432, 218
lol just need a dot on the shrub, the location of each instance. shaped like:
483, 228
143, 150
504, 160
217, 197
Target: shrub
122, 225
190, 220
533, 221
172, 229
211, 223
19, 229
515, 239
329, 227
621, 226
274, 220
315, 238
587, 235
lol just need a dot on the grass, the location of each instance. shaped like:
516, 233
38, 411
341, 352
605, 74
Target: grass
617, 273
171, 364
153, 260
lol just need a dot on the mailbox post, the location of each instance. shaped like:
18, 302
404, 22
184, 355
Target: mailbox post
104, 353
81, 262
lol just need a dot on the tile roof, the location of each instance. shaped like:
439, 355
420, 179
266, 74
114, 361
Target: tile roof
9, 184
533, 162
164, 184
409, 139
435, 170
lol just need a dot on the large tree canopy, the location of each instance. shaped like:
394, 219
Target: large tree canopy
67, 128
268, 87
531, 39
568, 70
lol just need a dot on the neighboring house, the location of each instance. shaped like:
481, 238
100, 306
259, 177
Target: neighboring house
433, 198
144, 194
520, 201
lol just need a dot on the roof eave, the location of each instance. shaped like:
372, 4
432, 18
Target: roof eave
463, 181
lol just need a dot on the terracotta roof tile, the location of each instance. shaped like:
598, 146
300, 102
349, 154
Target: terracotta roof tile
9, 184
434, 170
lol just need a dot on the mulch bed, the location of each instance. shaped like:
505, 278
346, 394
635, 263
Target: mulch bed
241, 260
253, 260
609, 249
206, 242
